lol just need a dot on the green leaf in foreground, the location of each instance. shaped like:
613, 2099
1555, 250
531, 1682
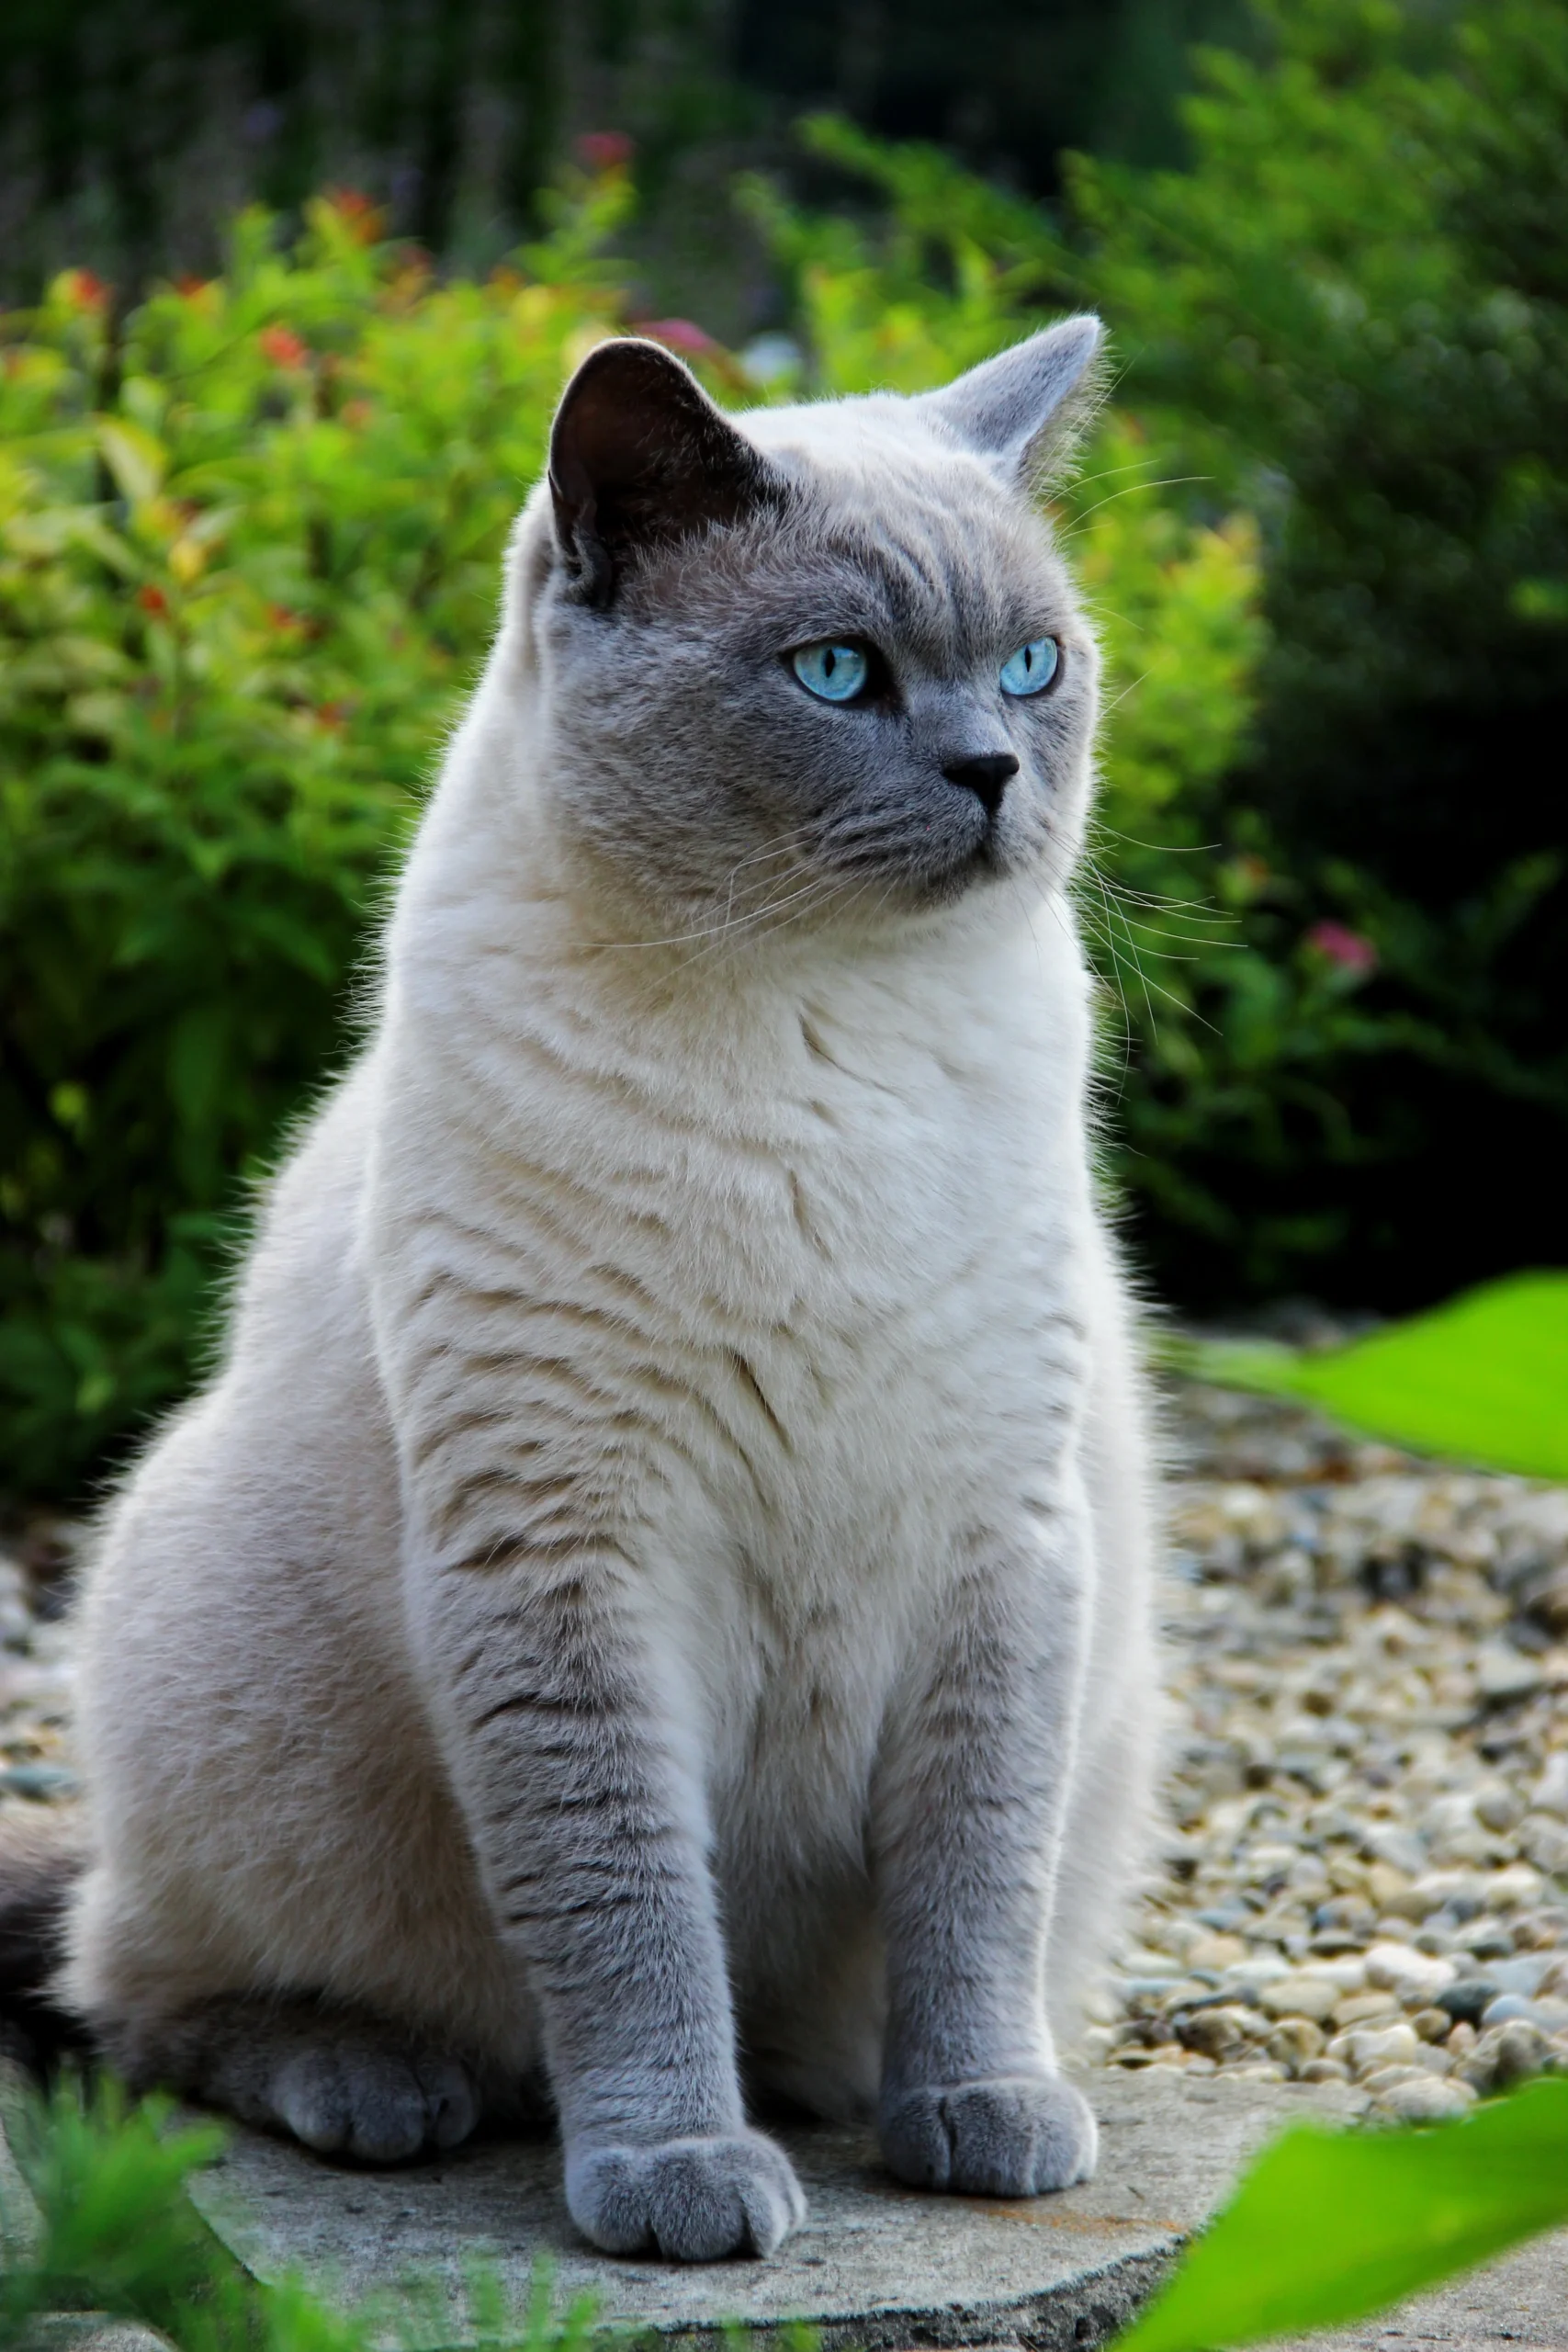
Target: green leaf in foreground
1329, 2226
1484, 1378
98, 2218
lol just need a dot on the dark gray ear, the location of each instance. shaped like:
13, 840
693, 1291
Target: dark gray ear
640, 458
1025, 405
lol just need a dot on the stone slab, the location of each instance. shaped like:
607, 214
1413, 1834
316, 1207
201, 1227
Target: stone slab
1521, 2301
875, 2264
91, 2332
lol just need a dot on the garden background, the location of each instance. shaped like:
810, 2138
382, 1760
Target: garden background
287, 311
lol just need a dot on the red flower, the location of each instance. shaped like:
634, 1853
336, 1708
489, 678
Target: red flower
605, 150
153, 600
1346, 948
677, 335
283, 348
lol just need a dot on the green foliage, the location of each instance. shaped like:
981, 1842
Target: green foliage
109, 2228
1331, 2226
248, 559
1348, 320
1233, 1015
248, 562
1351, 315
1484, 1379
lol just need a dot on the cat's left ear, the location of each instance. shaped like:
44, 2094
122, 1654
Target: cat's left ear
641, 458
1026, 406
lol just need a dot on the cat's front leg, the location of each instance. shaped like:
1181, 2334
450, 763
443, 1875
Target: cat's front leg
577, 1772
972, 1792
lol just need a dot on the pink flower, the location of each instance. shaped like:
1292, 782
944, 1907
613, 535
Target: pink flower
676, 334
1344, 947
605, 150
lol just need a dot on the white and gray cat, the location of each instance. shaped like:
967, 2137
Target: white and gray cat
654, 1608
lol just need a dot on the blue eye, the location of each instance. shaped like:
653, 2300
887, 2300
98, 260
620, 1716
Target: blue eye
832, 672
1031, 670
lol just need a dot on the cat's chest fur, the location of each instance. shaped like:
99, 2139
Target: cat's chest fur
742, 1261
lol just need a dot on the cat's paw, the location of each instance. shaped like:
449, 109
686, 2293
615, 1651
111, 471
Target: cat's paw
359, 2096
690, 2200
1017, 2135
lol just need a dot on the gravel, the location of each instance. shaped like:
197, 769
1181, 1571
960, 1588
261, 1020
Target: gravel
1362, 1874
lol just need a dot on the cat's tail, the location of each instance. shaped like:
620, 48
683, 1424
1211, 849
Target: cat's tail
42, 1854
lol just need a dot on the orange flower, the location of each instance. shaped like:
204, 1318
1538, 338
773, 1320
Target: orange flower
84, 289
364, 217
284, 348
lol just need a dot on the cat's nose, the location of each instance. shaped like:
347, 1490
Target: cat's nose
985, 774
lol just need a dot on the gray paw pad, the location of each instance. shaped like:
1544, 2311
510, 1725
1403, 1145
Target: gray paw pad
1015, 2136
690, 2200
357, 2097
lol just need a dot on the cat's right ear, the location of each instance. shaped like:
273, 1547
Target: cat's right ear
640, 458
1026, 406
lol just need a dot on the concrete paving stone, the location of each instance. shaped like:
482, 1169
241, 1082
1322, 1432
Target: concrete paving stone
1521, 2301
90, 2332
875, 2265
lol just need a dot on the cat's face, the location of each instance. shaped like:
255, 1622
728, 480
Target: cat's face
825, 662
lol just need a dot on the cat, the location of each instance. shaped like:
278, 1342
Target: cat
653, 1613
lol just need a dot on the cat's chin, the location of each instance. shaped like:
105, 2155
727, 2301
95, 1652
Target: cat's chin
937, 888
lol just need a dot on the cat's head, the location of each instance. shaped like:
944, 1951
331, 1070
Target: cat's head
814, 661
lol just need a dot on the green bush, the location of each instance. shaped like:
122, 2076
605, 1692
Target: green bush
1237, 1005
1351, 316
1347, 319
105, 2224
248, 565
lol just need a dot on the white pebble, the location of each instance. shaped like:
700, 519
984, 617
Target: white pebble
1399, 1968
1302, 1995
1424, 2099
1550, 1793
1367, 2047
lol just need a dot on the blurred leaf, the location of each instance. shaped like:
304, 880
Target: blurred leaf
1484, 1379
1330, 2226
137, 460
